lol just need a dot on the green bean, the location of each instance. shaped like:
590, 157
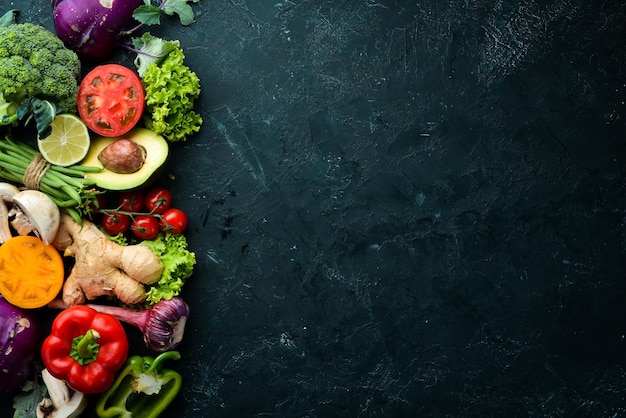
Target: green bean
77, 170
74, 214
67, 186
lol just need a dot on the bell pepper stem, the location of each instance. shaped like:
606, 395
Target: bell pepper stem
85, 348
156, 364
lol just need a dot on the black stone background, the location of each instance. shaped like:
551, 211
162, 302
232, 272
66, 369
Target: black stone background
403, 208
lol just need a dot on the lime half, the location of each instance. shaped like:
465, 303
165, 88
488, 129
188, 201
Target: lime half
68, 142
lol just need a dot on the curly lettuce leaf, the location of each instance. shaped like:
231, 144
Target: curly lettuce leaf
118, 239
151, 49
171, 89
178, 263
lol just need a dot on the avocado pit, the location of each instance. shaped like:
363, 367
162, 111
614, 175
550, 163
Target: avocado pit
156, 154
123, 156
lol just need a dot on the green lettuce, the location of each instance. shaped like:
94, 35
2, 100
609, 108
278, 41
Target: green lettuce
171, 88
178, 263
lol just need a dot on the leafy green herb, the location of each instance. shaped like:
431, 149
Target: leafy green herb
25, 403
182, 9
150, 14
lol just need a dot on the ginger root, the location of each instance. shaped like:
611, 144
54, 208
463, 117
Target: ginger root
103, 267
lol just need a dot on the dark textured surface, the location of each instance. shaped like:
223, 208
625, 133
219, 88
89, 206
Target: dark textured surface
404, 208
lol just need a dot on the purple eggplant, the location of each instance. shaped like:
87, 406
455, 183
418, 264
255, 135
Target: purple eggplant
92, 28
20, 338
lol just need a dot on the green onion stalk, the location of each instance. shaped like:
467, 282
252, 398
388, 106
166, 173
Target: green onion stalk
66, 186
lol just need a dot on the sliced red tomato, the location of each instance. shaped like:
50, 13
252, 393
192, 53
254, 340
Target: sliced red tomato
111, 99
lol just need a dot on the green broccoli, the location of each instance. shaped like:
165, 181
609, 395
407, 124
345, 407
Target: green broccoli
39, 76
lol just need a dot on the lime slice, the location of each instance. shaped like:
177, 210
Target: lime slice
68, 142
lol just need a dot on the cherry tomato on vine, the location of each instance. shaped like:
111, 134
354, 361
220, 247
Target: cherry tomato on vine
111, 99
98, 203
92, 211
158, 200
132, 201
145, 227
173, 221
115, 223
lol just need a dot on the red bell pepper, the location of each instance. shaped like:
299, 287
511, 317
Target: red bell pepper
85, 348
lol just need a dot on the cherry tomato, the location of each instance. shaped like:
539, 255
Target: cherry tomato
173, 221
111, 99
158, 200
99, 202
145, 227
115, 223
132, 201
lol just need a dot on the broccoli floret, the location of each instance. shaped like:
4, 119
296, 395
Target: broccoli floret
35, 65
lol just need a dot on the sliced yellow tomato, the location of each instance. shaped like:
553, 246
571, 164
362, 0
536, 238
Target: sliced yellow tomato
31, 272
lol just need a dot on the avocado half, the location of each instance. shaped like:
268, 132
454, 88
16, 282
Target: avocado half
157, 151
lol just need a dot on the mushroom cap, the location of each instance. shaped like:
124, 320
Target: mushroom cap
43, 214
61, 403
8, 190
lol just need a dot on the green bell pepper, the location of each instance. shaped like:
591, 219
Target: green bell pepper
143, 389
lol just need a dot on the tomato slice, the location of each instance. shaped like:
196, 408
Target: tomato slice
111, 99
31, 272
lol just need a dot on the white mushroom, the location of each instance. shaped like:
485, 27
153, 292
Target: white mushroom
35, 212
7, 191
62, 403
